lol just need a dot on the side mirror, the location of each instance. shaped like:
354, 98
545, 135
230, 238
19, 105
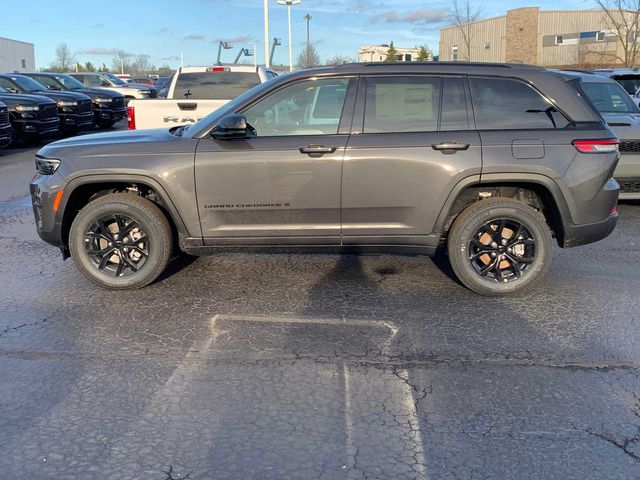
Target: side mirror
232, 126
53, 87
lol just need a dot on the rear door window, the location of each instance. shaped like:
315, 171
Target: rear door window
214, 85
454, 105
509, 104
402, 104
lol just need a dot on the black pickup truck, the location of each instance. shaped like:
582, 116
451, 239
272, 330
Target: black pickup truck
74, 109
31, 116
108, 106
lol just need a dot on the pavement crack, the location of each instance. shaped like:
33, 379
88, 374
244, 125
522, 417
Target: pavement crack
170, 474
24, 325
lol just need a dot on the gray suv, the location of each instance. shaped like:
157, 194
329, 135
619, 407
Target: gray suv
489, 161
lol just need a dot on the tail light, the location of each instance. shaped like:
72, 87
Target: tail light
607, 145
131, 117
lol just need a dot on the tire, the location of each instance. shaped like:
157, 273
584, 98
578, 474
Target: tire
474, 227
154, 249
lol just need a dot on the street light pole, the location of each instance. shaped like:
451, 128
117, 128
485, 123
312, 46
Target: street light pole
308, 18
266, 34
289, 3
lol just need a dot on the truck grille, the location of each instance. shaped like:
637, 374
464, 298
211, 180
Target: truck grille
630, 146
48, 111
118, 102
4, 116
84, 106
630, 186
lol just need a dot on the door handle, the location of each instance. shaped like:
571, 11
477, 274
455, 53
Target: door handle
450, 146
317, 150
188, 106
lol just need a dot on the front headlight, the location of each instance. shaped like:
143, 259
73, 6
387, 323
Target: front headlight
144, 92
47, 166
67, 103
27, 108
102, 100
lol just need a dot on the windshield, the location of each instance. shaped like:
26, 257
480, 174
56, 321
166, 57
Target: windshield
609, 98
69, 82
114, 79
230, 106
28, 84
630, 83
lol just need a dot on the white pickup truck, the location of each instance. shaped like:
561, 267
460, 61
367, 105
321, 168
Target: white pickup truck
193, 93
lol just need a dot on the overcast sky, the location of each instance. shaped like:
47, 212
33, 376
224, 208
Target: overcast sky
162, 29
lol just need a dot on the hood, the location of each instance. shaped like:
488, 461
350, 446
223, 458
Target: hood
625, 125
65, 96
12, 99
109, 141
98, 92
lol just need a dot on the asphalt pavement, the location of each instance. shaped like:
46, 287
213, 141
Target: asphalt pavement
247, 366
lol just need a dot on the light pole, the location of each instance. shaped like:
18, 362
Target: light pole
289, 3
266, 34
308, 18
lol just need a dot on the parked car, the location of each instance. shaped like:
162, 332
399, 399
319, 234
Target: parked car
141, 80
108, 106
629, 78
195, 92
109, 81
491, 160
32, 117
74, 109
623, 116
5, 126
162, 84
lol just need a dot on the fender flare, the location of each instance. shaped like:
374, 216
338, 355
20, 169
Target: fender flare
533, 178
73, 185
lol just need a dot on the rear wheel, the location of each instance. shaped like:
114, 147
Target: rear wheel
121, 241
499, 246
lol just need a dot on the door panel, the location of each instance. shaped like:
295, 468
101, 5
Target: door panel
265, 187
396, 184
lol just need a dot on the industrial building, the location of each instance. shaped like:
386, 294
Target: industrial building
549, 38
378, 53
16, 56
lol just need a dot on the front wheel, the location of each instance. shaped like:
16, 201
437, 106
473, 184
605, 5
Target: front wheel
499, 246
121, 241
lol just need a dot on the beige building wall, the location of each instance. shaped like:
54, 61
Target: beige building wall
487, 38
530, 35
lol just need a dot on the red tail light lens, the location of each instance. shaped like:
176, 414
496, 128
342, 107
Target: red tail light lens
607, 145
131, 117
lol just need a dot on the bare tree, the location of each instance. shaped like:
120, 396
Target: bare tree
464, 16
120, 62
308, 58
623, 17
141, 65
64, 59
339, 60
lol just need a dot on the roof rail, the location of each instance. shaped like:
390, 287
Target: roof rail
436, 64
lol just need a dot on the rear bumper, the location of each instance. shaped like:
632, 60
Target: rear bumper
576, 235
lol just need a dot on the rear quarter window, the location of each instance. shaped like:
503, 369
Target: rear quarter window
509, 104
214, 85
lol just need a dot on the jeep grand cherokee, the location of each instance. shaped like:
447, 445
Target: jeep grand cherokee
492, 161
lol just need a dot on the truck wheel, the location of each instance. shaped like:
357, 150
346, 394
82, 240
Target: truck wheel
499, 246
121, 241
